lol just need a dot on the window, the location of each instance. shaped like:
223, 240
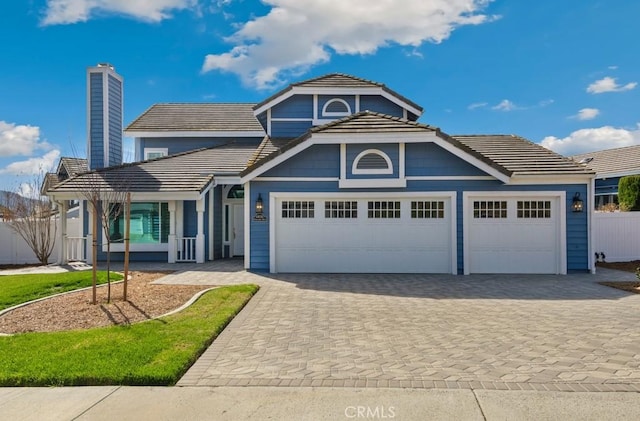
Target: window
153, 153
372, 161
341, 209
487, 209
336, 107
534, 209
297, 209
236, 192
429, 209
149, 224
383, 209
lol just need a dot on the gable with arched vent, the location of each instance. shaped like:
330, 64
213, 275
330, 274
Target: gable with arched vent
372, 161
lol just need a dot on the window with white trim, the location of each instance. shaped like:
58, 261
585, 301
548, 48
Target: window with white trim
372, 161
149, 223
383, 209
340, 209
336, 107
489, 209
534, 209
298, 209
153, 153
427, 209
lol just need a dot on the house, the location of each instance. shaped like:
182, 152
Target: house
335, 174
610, 165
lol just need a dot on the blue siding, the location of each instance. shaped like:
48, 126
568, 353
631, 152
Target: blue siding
289, 128
316, 161
428, 159
297, 106
96, 132
380, 104
323, 99
183, 144
115, 121
392, 151
190, 218
607, 185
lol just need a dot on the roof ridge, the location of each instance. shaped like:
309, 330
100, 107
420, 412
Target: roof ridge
328, 75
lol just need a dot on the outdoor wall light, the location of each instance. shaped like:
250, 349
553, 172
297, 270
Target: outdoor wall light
259, 209
578, 204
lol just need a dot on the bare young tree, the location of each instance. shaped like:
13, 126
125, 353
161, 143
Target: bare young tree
32, 216
106, 194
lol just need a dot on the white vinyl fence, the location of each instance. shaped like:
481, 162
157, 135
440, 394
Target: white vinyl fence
617, 235
14, 250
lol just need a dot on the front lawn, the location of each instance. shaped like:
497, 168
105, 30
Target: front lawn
157, 352
18, 289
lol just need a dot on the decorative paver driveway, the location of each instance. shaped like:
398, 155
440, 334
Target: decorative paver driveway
492, 332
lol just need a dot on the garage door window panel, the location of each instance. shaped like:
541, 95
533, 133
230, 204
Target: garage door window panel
337, 209
298, 209
489, 209
534, 209
427, 209
382, 209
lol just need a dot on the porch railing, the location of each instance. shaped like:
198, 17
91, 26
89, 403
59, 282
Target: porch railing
186, 249
76, 247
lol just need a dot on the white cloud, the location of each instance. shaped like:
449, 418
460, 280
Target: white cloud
589, 140
20, 139
33, 166
587, 114
504, 105
477, 105
72, 11
609, 84
296, 34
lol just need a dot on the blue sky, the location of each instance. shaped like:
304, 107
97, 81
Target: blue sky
564, 74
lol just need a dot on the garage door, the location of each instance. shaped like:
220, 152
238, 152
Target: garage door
513, 235
363, 235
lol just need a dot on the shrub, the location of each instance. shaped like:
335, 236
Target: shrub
629, 193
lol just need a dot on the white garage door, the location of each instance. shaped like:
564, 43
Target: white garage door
363, 235
513, 235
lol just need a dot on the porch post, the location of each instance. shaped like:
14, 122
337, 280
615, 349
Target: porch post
89, 242
63, 259
200, 235
171, 258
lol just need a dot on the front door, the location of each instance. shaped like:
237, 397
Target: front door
238, 230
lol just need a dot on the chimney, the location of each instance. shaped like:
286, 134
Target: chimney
104, 116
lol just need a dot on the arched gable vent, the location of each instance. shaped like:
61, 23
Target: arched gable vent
336, 107
372, 161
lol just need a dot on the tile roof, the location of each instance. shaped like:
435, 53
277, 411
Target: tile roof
520, 156
74, 166
612, 161
338, 80
186, 172
507, 154
196, 117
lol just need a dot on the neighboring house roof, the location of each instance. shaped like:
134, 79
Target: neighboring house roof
73, 166
507, 154
612, 162
336, 81
521, 156
185, 117
186, 172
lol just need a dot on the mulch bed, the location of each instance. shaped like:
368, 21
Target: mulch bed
632, 266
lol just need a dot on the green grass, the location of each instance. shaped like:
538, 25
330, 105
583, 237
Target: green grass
157, 352
18, 289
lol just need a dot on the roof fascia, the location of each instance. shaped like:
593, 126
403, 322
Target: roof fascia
305, 90
612, 174
199, 133
558, 178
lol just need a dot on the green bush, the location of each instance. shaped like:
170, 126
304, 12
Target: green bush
629, 193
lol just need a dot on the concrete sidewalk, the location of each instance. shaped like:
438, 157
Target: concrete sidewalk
276, 403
